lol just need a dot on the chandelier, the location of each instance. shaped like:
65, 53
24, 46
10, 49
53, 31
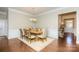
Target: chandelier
33, 19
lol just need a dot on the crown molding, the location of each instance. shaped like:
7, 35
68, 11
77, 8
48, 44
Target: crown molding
28, 14
55, 10
21, 12
25, 13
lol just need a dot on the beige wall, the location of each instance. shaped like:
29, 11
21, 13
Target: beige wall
17, 20
50, 20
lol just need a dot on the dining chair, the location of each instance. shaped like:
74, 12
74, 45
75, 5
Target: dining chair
31, 37
22, 34
42, 37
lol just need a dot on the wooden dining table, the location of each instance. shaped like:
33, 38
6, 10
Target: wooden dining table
36, 33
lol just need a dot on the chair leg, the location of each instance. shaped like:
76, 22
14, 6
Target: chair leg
41, 39
30, 40
45, 39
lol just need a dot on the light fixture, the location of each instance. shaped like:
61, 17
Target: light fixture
33, 19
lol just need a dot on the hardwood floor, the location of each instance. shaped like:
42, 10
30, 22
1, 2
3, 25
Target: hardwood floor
60, 45
65, 44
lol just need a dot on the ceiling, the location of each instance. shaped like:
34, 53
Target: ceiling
35, 10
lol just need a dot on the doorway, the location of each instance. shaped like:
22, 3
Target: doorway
3, 22
69, 25
67, 28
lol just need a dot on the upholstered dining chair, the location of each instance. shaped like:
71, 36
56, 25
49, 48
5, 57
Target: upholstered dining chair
29, 35
22, 34
26, 34
43, 35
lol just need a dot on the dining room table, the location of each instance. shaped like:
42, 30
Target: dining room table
36, 32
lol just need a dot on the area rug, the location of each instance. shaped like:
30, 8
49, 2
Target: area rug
38, 45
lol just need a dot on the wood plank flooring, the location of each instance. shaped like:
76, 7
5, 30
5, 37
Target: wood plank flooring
60, 45
13, 45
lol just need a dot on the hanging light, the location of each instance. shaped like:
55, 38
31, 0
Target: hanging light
33, 19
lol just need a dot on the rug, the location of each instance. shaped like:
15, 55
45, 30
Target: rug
38, 45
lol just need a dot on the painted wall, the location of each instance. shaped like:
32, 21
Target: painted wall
17, 20
49, 20
77, 26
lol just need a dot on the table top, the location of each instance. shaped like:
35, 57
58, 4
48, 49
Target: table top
37, 32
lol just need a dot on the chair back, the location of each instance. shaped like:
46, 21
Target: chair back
27, 32
21, 32
44, 32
